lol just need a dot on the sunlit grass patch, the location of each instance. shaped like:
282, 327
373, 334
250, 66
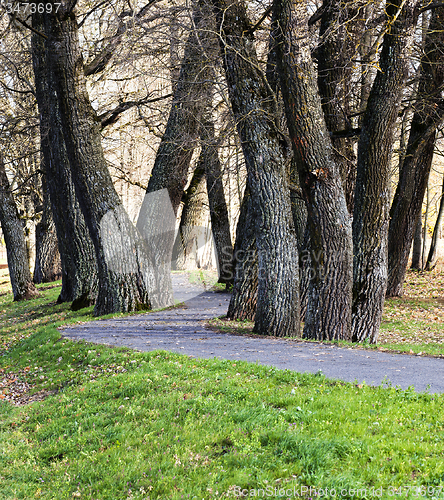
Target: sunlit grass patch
118, 424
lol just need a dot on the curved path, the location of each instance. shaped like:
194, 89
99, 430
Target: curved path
181, 330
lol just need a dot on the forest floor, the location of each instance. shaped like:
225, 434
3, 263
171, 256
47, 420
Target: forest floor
82, 420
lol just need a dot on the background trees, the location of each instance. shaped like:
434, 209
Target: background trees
289, 100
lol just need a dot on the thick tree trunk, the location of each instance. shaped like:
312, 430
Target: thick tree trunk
122, 264
298, 207
244, 297
431, 258
328, 313
48, 266
12, 227
193, 219
371, 211
77, 254
254, 107
429, 112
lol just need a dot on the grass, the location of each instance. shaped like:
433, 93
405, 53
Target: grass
119, 424
413, 324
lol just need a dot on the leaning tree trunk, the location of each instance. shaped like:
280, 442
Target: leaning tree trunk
122, 264
77, 254
429, 113
254, 107
192, 221
371, 211
328, 313
406, 211
243, 300
12, 227
220, 222
171, 166
48, 266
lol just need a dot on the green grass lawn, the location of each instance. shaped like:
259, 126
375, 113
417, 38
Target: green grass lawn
118, 424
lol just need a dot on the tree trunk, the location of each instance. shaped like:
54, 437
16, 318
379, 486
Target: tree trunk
429, 112
417, 245
77, 254
254, 107
243, 300
220, 222
12, 227
185, 250
334, 55
48, 266
432, 259
171, 166
122, 264
371, 211
328, 313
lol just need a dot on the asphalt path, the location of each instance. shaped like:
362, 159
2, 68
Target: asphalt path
182, 330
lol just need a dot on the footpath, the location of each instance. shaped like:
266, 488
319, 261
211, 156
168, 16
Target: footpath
182, 330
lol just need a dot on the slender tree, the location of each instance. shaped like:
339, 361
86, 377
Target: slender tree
48, 265
416, 165
13, 232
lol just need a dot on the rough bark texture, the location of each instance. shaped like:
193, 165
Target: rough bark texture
405, 211
334, 55
13, 232
298, 207
77, 254
179, 140
429, 112
193, 219
48, 266
119, 253
243, 300
254, 107
171, 166
328, 313
371, 211
220, 222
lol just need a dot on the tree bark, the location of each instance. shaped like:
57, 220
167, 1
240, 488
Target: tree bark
220, 222
195, 199
48, 266
12, 227
243, 300
431, 258
171, 166
254, 107
77, 254
122, 264
328, 313
409, 195
371, 211
334, 55
417, 245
